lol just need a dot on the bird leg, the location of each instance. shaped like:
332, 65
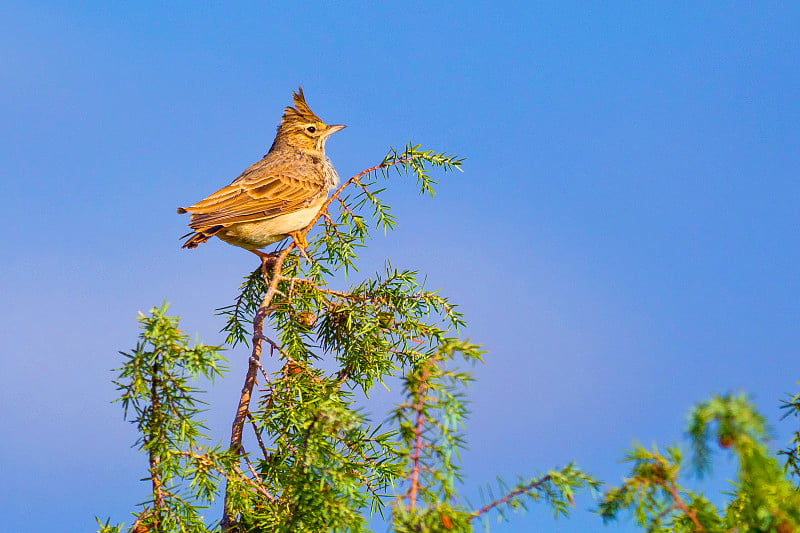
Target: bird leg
301, 243
266, 259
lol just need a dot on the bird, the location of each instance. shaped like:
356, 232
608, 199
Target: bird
275, 197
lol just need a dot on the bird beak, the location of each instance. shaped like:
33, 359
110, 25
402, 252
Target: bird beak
333, 128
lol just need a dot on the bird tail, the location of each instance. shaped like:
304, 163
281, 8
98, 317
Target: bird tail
197, 238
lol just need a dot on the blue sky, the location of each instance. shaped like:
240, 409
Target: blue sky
623, 241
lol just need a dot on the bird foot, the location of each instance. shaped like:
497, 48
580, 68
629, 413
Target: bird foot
301, 243
267, 260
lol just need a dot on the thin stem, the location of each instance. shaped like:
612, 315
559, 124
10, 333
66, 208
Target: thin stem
274, 346
258, 435
155, 459
415, 457
335, 196
263, 373
250, 379
678, 503
511, 495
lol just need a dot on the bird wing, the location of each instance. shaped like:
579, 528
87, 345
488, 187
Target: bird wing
262, 191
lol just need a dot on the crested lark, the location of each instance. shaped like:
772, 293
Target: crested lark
275, 197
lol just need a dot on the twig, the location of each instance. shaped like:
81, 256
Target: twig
273, 344
342, 376
258, 435
155, 460
345, 208
203, 458
511, 495
366, 459
252, 470
678, 503
354, 180
250, 379
263, 372
256, 485
415, 458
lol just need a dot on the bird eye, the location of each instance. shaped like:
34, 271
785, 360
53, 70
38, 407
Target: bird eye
311, 129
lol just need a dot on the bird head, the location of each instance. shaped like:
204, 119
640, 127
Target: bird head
300, 128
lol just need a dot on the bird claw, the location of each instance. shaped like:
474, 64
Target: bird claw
301, 243
266, 260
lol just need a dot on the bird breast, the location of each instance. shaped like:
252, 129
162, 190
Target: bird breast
260, 233
329, 173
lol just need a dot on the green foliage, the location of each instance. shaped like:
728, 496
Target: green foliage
792, 453
240, 313
763, 498
429, 421
557, 488
322, 464
157, 397
731, 418
318, 463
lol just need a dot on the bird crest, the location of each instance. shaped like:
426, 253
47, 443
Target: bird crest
300, 111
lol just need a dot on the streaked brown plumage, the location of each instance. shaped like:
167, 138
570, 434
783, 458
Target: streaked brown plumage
277, 196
